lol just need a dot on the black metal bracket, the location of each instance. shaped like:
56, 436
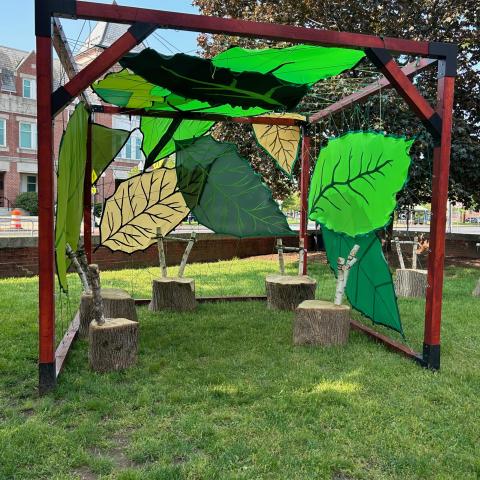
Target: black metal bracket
47, 377
46, 9
431, 356
60, 98
448, 52
378, 56
140, 30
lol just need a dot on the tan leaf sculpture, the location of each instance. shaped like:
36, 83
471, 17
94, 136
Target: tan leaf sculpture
281, 142
138, 207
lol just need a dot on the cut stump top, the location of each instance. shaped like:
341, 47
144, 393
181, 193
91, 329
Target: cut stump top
321, 305
112, 323
112, 294
412, 270
290, 279
174, 280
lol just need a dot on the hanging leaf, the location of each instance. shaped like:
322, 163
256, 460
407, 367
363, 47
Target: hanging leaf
70, 178
126, 89
159, 135
140, 205
224, 192
370, 288
356, 179
302, 64
106, 144
281, 142
197, 78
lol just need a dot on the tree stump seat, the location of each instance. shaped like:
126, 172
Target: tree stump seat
173, 293
113, 345
321, 323
117, 303
286, 292
410, 282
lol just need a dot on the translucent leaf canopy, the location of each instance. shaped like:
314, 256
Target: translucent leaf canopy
237, 82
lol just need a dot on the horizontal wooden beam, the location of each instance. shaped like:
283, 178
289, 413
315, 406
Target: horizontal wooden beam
362, 95
266, 120
243, 28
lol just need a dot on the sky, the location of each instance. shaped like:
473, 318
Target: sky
17, 25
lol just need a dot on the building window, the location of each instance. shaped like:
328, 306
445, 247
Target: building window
132, 149
29, 88
3, 133
31, 183
28, 135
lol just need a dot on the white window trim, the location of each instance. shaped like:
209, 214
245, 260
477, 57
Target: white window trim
33, 136
33, 88
3, 142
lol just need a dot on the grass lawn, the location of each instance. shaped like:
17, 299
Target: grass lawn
223, 394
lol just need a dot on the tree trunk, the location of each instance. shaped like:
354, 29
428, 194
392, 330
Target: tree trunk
476, 290
321, 323
117, 303
287, 292
411, 283
113, 345
173, 293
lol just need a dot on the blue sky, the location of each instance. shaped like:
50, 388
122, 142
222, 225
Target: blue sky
17, 30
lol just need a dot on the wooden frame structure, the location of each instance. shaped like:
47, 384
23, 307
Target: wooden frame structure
437, 119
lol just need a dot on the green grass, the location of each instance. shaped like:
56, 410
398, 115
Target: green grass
223, 394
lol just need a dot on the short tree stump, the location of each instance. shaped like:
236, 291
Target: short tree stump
173, 293
321, 323
113, 345
476, 290
411, 283
287, 292
117, 303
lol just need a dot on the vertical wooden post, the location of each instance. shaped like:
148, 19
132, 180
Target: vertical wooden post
87, 197
281, 262
399, 253
46, 239
414, 253
161, 254
304, 182
441, 165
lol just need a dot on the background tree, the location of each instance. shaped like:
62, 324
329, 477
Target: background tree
434, 20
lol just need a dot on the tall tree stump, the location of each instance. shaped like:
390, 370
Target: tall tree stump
112, 345
117, 303
321, 323
173, 293
287, 292
476, 290
411, 283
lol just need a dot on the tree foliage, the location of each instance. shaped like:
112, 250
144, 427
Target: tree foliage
433, 20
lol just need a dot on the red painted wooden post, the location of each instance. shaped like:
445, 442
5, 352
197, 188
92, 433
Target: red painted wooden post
441, 164
46, 239
87, 197
304, 182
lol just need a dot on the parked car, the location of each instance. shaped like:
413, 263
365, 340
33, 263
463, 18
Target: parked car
472, 220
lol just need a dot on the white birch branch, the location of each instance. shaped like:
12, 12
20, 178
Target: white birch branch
161, 253
83, 277
97, 302
340, 279
183, 263
281, 261
399, 253
301, 255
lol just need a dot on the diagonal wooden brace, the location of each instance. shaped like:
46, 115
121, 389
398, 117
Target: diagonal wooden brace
382, 59
107, 59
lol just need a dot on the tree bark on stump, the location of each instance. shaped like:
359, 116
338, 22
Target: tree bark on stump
411, 283
117, 303
287, 292
321, 323
113, 345
173, 293
476, 290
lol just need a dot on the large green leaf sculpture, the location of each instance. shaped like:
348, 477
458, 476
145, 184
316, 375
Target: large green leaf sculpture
356, 179
197, 78
370, 288
223, 191
160, 134
301, 64
70, 178
128, 90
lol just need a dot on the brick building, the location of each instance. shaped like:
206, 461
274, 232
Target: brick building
18, 124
